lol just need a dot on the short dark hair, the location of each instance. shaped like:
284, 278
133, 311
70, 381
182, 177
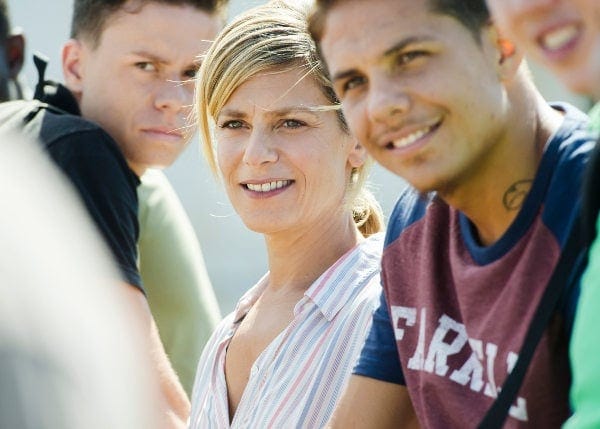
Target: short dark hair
473, 14
4, 21
90, 16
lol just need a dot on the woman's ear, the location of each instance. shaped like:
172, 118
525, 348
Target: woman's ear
357, 155
73, 58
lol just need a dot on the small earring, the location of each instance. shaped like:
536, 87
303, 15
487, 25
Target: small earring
507, 49
354, 176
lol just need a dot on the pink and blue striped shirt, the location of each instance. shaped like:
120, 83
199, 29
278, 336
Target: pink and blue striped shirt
297, 380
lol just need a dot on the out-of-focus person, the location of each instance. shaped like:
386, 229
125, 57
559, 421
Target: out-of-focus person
128, 71
12, 51
61, 316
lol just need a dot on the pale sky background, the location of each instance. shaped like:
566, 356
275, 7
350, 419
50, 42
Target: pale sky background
235, 257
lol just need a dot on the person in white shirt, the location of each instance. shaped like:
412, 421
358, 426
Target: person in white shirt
295, 174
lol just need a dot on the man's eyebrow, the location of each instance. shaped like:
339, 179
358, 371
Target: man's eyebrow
149, 55
398, 47
344, 74
194, 63
404, 43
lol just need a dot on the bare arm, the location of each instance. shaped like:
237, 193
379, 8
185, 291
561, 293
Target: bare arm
373, 404
174, 401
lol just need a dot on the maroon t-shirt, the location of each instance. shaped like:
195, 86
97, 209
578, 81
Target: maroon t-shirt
459, 325
455, 313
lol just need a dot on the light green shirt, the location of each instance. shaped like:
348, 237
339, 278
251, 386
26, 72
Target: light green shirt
595, 117
179, 291
585, 341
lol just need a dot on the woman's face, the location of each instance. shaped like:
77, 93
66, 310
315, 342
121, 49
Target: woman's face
564, 35
285, 165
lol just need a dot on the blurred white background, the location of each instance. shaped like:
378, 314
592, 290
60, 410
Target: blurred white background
235, 258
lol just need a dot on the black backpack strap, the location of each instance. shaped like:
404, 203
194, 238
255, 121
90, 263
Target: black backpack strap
570, 258
57, 97
41, 63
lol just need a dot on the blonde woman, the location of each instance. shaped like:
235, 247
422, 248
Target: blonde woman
273, 131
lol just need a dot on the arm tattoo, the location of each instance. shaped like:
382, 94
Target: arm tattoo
515, 195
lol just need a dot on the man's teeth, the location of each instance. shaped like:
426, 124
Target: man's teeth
269, 186
411, 138
559, 38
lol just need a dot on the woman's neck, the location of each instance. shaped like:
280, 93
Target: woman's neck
297, 258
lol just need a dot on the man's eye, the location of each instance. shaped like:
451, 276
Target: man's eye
190, 73
353, 83
407, 57
145, 66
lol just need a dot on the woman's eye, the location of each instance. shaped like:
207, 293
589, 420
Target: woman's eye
232, 125
292, 123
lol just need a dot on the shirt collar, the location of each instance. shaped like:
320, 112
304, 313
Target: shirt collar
340, 282
249, 298
335, 287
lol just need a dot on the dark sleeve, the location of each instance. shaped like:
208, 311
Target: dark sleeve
379, 356
107, 186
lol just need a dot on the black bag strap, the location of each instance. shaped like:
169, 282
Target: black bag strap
41, 63
563, 272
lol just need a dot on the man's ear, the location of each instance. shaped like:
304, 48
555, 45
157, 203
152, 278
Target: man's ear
508, 57
15, 54
73, 61
357, 155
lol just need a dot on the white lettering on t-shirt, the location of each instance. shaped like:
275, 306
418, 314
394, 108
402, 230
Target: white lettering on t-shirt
418, 358
491, 350
439, 350
472, 370
406, 313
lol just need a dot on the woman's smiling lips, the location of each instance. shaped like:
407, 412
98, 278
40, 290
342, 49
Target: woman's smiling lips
266, 188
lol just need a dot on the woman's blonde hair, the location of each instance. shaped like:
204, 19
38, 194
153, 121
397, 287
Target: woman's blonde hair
271, 37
